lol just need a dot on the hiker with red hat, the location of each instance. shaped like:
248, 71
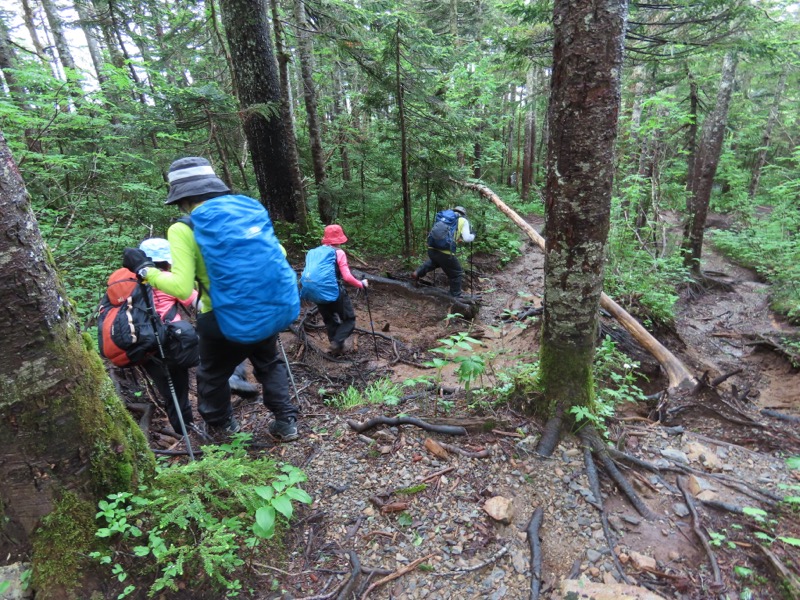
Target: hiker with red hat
326, 269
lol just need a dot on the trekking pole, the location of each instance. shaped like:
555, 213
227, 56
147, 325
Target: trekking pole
162, 356
289, 368
471, 272
372, 325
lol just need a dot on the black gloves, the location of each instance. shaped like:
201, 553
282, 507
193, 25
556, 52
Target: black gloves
135, 260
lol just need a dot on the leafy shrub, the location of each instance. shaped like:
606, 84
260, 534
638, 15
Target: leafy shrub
382, 391
203, 520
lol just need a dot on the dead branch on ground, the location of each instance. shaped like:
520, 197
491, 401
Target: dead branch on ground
396, 574
718, 583
536, 551
394, 422
486, 453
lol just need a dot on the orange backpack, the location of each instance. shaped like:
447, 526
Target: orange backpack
126, 329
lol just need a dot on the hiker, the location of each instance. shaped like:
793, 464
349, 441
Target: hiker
336, 309
448, 227
166, 306
228, 246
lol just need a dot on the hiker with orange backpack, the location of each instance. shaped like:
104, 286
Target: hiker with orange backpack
322, 282
180, 343
248, 291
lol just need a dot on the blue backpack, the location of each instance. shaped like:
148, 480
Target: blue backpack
253, 287
318, 281
443, 233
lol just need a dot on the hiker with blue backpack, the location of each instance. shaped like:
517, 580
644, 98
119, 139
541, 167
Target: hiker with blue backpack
448, 227
325, 271
248, 291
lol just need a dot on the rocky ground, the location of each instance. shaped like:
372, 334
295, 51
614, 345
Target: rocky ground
392, 502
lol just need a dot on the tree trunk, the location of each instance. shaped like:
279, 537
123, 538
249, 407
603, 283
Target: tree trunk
691, 143
530, 133
89, 30
584, 101
59, 37
705, 166
288, 120
258, 85
306, 51
66, 441
761, 157
401, 115
33, 32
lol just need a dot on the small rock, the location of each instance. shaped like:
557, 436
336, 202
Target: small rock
697, 452
698, 484
681, 509
631, 520
436, 449
675, 455
707, 496
500, 509
641, 561
624, 558
593, 555
673, 555
608, 578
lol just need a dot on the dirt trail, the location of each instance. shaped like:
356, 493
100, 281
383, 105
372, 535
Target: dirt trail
387, 498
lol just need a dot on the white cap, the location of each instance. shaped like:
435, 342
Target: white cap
157, 249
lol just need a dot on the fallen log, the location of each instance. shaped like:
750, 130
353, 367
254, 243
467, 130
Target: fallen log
679, 376
467, 306
394, 422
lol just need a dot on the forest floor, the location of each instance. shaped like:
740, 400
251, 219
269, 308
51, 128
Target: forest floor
400, 505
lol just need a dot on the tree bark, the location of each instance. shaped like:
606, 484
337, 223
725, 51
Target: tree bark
401, 116
66, 441
679, 376
530, 133
256, 75
705, 166
761, 157
306, 51
59, 37
288, 120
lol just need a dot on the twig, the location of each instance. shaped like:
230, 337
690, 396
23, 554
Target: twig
396, 574
456, 450
536, 551
513, 434
437, 474
458, 572
718, 380
345, 593
393, 422
699, 533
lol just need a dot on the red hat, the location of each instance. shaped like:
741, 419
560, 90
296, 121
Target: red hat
334, 235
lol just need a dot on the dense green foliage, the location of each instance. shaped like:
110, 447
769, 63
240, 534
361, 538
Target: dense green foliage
93, 147
204, 521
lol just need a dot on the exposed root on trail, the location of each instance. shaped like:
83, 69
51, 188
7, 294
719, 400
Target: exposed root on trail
719, 585
394, 422
536, 551
599, 449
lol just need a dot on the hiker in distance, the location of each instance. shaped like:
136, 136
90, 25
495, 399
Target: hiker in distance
448, 226
321, 282
248, 291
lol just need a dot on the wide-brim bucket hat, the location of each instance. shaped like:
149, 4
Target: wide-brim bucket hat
334, 235
460, 210
157, 249
192, 176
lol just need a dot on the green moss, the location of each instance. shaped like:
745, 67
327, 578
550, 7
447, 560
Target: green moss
565, 376
61, 544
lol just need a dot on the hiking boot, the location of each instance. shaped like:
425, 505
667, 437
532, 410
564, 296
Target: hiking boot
284, 431
335, 348
230, 427
242, 387
347, 346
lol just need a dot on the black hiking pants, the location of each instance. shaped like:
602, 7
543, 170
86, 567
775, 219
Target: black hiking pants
339, 317
180, 380
219, 358
448, 263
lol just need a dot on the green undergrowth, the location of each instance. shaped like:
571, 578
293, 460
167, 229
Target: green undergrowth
203, 522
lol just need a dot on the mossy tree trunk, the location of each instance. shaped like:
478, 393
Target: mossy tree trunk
584, 105
66, 441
